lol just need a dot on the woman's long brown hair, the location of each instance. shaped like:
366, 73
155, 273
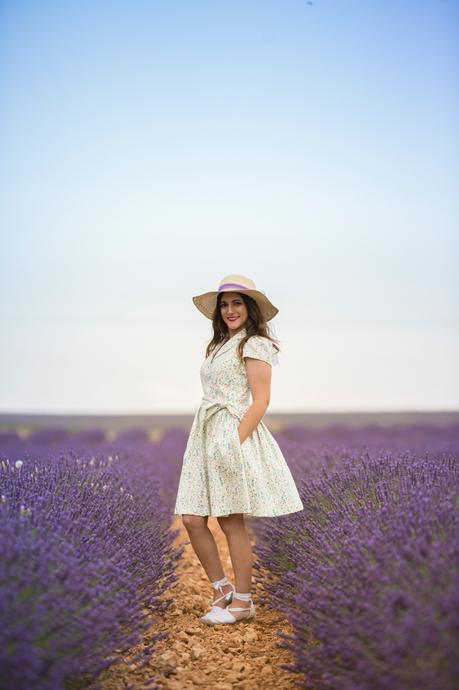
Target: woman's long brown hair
254, 325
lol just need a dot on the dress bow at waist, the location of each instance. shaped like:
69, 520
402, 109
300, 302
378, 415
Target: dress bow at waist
210, 406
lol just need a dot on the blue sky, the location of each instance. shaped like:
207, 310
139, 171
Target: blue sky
149, 148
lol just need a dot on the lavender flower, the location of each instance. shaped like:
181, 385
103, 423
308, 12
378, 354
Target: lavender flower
86, 554
368, 573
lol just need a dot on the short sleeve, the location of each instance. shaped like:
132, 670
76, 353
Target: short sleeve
258, 347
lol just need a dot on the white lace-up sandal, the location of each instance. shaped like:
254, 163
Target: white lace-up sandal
226, 596
218, 615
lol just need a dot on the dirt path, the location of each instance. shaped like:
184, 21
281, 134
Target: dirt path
246, 656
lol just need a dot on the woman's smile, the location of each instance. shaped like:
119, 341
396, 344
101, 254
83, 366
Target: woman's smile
233, 310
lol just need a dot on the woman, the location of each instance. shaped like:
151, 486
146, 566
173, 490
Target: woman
232, 465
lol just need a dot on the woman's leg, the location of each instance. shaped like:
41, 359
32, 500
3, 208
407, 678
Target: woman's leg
240, 550
206, 550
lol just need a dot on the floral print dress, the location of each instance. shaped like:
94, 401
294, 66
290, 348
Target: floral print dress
220, 475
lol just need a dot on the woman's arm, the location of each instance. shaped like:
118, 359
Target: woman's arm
259, 378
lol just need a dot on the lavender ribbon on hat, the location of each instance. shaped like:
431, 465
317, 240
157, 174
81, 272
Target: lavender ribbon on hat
233, 285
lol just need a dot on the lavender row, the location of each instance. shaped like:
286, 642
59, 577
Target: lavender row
368, 573
86, 553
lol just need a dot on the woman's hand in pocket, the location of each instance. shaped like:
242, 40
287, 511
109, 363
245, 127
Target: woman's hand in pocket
241, 443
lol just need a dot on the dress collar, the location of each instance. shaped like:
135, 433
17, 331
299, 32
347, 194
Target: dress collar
239, 334
229, 343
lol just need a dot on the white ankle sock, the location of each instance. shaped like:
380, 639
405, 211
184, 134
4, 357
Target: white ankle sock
244, 596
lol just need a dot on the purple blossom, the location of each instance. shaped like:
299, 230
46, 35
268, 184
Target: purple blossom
86, 554
368, 572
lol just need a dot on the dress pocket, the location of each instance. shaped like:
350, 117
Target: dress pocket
236, 434
245, 443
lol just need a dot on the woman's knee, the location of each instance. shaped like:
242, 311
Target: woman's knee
194, 522
231, 523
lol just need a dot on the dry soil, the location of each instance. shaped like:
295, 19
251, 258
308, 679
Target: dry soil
245, 656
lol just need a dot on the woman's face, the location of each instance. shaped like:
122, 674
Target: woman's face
233, 311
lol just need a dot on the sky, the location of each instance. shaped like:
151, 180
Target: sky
151, 148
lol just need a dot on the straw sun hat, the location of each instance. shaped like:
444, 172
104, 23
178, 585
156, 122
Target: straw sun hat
234, 282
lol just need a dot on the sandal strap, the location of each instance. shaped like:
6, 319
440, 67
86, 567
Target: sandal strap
243, 596
218, 586
220, 598
238, 608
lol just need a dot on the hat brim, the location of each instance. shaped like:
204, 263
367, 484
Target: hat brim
207, 302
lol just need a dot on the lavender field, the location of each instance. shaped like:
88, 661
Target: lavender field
86, 552
367, 574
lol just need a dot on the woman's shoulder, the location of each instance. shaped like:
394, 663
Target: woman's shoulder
263, 339
259, 347
259, 338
